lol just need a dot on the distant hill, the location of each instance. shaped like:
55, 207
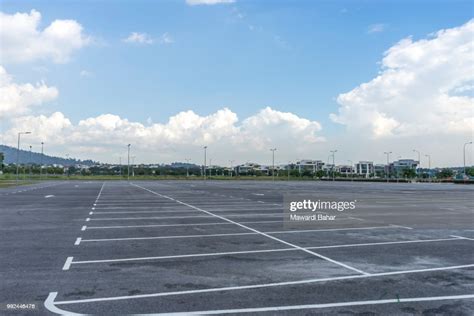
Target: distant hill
11, 152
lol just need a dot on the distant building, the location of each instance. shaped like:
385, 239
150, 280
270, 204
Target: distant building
308, 164
397, 168
345, 170
328, 167
380, 170
364, 168
247, 168
263, 169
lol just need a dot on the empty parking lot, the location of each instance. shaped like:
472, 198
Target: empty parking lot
215, 247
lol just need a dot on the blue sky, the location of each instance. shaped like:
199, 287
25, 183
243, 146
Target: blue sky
294, 56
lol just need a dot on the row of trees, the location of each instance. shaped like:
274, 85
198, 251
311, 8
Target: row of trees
196, 171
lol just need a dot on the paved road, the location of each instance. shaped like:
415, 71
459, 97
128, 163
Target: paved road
113, 248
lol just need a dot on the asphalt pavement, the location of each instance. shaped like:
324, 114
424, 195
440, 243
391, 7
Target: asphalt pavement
221, 247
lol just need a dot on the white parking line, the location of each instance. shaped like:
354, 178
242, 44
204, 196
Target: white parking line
406, 227
49, 304
168, 205
164, 237
260, 251
177, 225
232, 234
258, 286
462, 237
67, 264
318, 306
78, 241
183, 256
100, 192
186, 211
180, 217
259, 232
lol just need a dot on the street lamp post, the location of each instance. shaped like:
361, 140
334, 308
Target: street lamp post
231, 167
333, 153
41, 160
18, 155
429, 167
67, 166
210, 167
128, 162
388, 163
31, 163
273, 163
419, 159
205, 162
187, 167
133, 165
464, 156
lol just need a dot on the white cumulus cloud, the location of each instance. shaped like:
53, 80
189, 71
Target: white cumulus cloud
419, 90
54, 128
139, 38
23, 41
17, 99
181, 132
146, 39
269, 127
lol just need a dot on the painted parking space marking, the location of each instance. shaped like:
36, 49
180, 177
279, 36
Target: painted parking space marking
236, 234
214, 214
259, 232
263, 285
320, 306
178, 225
261, 251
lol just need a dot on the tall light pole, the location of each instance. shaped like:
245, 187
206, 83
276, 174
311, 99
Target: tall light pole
187, 167
429, 167
205, 162
273, 163
31, 162
41, 160
419, 159
18, 155
333, 153
388, 163
133, 165
464, 156
120, 167
352, 170
67, 166
210, 167
231, 167
128, 162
